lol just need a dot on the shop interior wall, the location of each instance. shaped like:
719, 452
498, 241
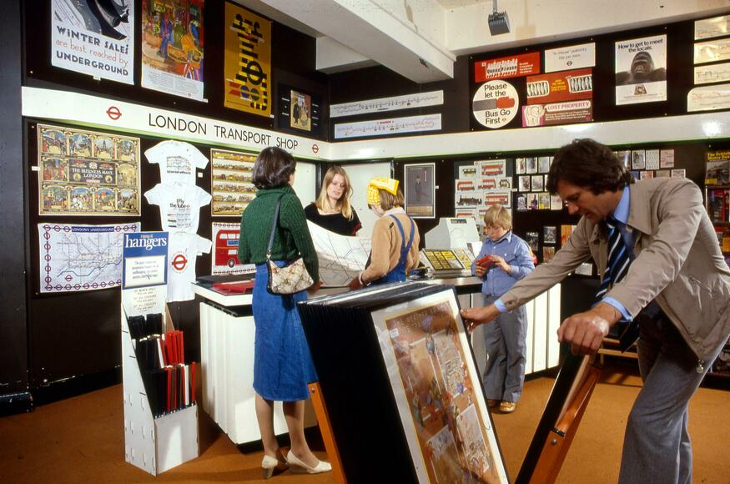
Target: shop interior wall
456, 113
13, 327
78, 333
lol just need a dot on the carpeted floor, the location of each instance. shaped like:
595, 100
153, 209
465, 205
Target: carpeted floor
81, 440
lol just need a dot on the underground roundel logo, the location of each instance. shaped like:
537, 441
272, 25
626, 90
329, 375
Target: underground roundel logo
179, 262
114, 113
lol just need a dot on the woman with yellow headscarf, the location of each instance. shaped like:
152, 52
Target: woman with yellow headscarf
395, 237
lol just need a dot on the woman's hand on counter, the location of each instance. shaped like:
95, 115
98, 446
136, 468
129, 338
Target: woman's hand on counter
314, 287
355, 284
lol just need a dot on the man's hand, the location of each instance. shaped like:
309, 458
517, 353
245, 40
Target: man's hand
473, 317
585, 331
479, 271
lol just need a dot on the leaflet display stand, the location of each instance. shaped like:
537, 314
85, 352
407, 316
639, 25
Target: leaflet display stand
154, 444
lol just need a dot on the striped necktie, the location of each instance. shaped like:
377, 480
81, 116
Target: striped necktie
616, 268
618, 258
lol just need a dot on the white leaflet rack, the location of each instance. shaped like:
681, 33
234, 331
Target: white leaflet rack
153, 444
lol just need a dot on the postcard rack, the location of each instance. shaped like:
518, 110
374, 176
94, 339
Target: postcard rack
154, 444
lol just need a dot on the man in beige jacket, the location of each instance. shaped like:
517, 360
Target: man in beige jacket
677, 279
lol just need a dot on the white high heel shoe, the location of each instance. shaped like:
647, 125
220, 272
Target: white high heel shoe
271, 465
297, 466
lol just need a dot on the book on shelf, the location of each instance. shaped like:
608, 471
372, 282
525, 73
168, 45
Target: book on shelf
717, 170
718, 204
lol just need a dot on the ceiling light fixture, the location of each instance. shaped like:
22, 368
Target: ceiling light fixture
498, 21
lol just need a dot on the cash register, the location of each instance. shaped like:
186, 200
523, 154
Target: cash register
451, 247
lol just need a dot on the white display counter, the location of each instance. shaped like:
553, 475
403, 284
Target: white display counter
227, 345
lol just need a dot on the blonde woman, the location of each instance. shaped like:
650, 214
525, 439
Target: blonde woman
332, 210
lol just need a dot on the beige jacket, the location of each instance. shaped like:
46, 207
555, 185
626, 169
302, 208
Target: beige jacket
678, 263
386, 245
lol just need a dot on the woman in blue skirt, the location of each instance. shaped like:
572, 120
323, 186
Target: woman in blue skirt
282, 363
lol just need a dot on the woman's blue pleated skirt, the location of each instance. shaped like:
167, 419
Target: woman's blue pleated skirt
282, 365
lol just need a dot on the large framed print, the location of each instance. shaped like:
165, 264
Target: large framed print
420, 190
173, 47
438, 391
93, 41
299, 111
87, 173
232, 186
641, 70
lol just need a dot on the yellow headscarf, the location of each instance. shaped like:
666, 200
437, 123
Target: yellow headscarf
380, 183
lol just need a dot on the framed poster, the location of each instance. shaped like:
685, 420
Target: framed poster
173, 47
570, 57
224, 259
87, 173
247, 61
231, 185
641, 70
432, 372
420, 190
712, 27
75, 257
108, 49
299, 111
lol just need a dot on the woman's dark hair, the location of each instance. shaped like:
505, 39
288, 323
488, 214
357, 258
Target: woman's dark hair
588, 164
273, 168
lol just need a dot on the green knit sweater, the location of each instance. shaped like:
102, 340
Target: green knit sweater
292, 236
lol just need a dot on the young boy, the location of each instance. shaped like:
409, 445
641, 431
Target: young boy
503, 260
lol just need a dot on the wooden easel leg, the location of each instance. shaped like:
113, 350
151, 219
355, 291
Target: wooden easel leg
324, 427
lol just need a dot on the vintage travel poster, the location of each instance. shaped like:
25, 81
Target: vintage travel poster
232, 187
247, 62
436, 385
95, 41
173, 47
420, 190
641, 70
87, 173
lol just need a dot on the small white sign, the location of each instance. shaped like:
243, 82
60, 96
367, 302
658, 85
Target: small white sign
408, 101
571, 57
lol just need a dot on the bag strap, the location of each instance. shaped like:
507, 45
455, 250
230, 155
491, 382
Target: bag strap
273, 227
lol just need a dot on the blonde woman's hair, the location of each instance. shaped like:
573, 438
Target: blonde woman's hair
388, 200
343, 204
498, 216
